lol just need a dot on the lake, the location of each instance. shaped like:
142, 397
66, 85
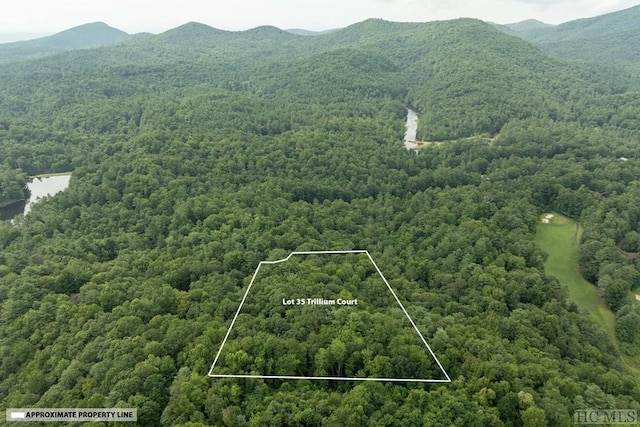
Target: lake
40, 187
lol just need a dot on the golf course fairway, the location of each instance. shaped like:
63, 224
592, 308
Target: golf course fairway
557, 238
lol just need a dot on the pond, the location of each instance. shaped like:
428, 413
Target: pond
40, 187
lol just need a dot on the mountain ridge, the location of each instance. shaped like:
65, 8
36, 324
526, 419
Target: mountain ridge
528, 24
608, 40
427, 64
613, 22
85, 36
561, 40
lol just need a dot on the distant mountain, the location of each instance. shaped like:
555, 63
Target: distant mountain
199, 42
302, 32
607, 39
529, 24
463, 76
195, 35
82, 37
191, 30
588, 28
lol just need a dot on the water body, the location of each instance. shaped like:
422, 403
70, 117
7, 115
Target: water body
10, 211
40, 187
412, 130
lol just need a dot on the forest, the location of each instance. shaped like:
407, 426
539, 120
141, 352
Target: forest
606, 42
13, 185
198, 153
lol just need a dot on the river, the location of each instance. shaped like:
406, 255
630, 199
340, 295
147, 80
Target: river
40, 187
412, 130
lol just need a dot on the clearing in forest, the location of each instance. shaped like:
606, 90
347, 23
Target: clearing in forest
324, 315
557, 236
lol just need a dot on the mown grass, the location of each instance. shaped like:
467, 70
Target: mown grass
558, 240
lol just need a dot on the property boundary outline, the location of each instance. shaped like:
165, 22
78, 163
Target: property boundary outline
294, 377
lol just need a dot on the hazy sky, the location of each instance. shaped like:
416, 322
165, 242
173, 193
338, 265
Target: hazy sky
160, 15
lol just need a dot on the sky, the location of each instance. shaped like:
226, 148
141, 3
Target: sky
156, 16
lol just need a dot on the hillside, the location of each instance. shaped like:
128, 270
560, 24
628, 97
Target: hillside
440, 68
609, 40
200, 154
81, 37
528, 25
583, 29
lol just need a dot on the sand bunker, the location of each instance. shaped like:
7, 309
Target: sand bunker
547, 218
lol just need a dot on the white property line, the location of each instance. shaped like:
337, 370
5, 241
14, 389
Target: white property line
293, 377
356, 251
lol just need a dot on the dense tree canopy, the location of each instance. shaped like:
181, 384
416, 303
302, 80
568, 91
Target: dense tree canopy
13, 185
192, 165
